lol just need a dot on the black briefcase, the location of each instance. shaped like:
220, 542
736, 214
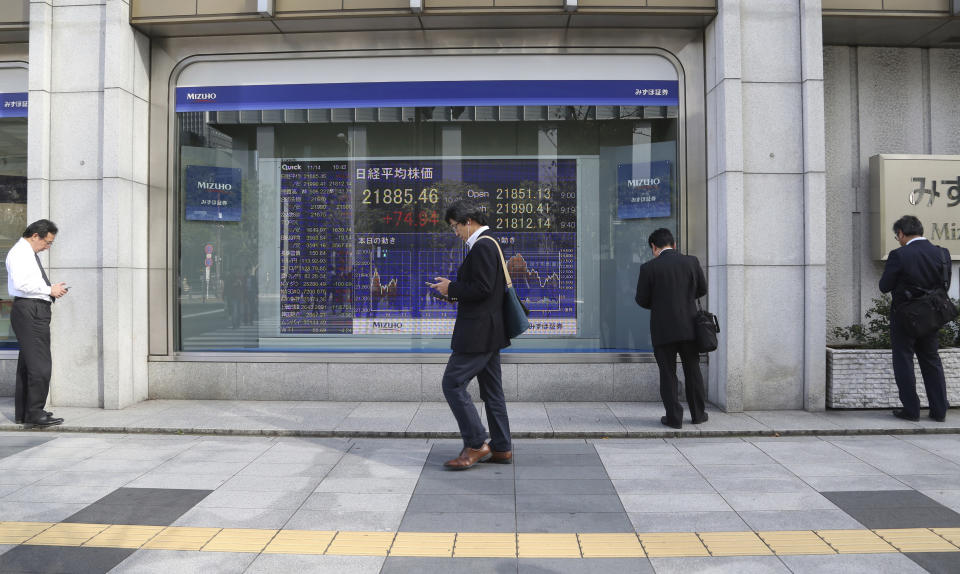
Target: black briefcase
706, 327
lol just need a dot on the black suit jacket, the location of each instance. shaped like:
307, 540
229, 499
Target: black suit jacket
478, 291
669, 286
918, 264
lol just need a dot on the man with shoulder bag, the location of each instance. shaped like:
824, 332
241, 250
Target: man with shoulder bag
669, 285
478, 335
918, 274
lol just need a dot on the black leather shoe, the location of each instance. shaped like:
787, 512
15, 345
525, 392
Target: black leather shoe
702, 419
665, 421
939, 419
18, 421
46, 421
902, 414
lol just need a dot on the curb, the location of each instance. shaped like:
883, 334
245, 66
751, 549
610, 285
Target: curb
456, 435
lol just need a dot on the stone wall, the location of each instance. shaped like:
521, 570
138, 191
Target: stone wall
863, 378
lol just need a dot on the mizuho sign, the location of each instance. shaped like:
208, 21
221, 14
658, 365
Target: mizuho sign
927, 186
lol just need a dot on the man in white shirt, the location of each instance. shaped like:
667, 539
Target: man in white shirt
32, 295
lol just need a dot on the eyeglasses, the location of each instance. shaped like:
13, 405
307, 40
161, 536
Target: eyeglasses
896, 235
454, 226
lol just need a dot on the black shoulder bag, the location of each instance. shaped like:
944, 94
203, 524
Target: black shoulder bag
705, 327
927, 310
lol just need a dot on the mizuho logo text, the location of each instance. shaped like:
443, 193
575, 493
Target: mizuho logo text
201, 96
214, 186
645, 182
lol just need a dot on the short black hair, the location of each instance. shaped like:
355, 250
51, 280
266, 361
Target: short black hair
908, 225
460, 211
661, 238
41, 227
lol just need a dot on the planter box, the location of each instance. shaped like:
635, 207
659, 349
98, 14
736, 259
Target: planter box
863, 378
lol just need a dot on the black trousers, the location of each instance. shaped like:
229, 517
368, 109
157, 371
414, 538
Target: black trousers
461, 368
904, 347
666, 356
31, 323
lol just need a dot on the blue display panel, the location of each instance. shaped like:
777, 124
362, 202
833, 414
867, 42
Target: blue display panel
213, 193
360, 240
644, 190
14, 104
458, 93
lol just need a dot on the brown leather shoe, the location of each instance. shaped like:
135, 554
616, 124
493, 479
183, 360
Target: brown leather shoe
505, 457
468, 457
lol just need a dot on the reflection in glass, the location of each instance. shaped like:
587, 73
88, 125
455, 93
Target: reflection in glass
316, 230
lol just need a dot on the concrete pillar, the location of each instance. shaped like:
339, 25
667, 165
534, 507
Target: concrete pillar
765, 203
87, 171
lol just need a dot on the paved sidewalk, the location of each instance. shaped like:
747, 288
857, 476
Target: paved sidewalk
144, 503
433, 420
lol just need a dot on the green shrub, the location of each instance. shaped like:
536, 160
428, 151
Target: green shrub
875, 333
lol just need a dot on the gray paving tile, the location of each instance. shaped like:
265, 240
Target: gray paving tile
373, 485
565, 487
840, 483
235, 517
724, 453
553, 446
663, 485
275, 483
674, 503
61, 560
111, 479
948, 498
711, 471
760, 485
379, 417
359, 502
847, 563
880, 499
459, 522
37, 511
144, 506
540, 459
284, 469
372, 470
667, 455
467, 503
793, 420
166, 561
160, 480
572, 417
23, 440
832, 469
272, 563
799, 520
739, 564
585, 566
928, 481
936, 562
921, 517
380, 521
221, 468
432, 485
407, 564
560, 472
565, 503
277, 499
59, 493
687, 522
23, 477
747, 501
573, 522
668, 472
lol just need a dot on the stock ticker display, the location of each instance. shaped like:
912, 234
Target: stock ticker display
360, 240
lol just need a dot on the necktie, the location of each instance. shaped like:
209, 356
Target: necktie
43, 273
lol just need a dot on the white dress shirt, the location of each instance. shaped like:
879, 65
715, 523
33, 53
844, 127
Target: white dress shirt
23, 274
476, 235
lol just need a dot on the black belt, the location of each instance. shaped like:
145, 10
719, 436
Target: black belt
32, 299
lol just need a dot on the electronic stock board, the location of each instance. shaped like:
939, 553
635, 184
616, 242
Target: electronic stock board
359, 240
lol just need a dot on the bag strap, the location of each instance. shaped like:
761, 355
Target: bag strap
506, 273
945, 269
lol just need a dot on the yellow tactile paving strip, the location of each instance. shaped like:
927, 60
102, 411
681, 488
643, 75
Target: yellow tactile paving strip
483, 544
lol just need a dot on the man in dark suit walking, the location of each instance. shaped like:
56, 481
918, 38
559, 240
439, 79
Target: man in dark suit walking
917, 265
478, 336
669, 285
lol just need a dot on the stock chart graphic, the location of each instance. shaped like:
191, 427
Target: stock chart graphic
389, 216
